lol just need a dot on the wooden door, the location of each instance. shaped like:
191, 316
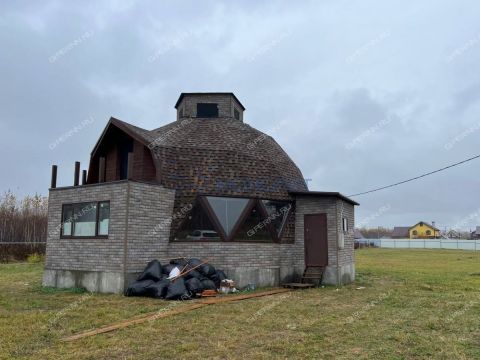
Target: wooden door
316, 241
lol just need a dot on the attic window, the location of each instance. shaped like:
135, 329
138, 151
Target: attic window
207, 110
236, 114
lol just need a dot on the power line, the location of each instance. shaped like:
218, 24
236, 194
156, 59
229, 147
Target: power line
417, 177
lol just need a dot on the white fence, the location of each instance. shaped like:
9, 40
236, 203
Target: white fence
455, 244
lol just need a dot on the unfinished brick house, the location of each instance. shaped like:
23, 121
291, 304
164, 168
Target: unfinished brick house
207, 186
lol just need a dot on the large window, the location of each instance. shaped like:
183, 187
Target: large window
215, 218
85, 220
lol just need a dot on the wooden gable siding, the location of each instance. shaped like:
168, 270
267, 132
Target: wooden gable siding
112, 171
143, 164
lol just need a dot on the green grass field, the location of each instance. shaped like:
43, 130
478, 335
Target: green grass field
406, 304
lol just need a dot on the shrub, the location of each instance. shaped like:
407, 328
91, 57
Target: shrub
35, 258
19, 252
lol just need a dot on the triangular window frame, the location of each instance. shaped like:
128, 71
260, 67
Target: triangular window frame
217, 224
278, 234
264, 214
202, 202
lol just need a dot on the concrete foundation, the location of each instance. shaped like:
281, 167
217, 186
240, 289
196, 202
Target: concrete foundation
116, 283
346, 273
260, 277
93, 281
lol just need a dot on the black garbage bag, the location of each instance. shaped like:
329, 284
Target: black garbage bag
194, 274
194, 286
181, 263
138, 288
194, 262
221, 275
218, 277
177, 290
207, 270
208, 285
168, 267
153, 271
158, 289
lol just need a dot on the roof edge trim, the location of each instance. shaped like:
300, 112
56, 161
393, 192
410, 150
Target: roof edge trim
182, 95
324, 194
119, 124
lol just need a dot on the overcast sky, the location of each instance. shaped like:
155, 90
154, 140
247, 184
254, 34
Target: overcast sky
359, 94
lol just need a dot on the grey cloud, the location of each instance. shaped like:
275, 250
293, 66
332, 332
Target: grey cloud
285, 61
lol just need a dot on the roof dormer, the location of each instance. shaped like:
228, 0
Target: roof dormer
209, 105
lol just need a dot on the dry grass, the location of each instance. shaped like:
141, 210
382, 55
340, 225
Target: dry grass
416, 304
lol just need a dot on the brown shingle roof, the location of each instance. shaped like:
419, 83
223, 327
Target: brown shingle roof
224, 156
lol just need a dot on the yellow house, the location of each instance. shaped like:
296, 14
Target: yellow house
423, 230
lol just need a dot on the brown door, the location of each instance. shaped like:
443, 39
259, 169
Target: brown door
316, 245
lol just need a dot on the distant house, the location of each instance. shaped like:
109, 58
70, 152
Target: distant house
357, 234
400, 232
453, 234
421, 230
475, 234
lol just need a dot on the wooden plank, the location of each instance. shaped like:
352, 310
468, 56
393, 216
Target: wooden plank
298, 285
159, 315
186, 272
123, 324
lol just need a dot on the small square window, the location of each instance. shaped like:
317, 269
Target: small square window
345, 225
236, 114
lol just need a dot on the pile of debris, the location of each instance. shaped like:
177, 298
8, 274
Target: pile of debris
181, 279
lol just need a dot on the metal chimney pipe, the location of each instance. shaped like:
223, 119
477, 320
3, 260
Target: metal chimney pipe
53, 183
84, 177
77, 173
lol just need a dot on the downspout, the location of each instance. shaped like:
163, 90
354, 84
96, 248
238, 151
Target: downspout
125, 236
